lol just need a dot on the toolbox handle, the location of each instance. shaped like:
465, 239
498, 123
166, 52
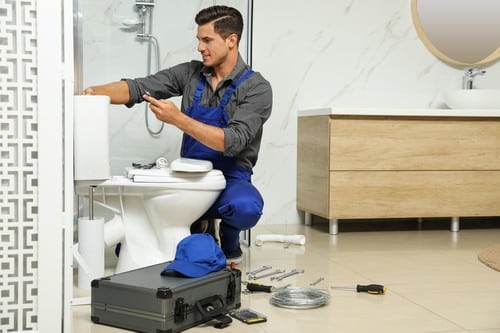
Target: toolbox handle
211, 307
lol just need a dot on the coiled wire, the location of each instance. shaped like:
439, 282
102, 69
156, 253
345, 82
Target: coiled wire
300, 298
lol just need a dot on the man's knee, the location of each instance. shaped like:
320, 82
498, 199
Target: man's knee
243, 213
249, 213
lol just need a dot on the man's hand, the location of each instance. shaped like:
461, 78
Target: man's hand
168, 112
164, 110
117, 91
89, 91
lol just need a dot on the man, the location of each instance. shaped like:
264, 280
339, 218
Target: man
224, 107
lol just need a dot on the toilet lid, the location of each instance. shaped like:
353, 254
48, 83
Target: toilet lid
191, 165
167, 175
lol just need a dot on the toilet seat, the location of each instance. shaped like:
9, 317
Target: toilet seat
167, 178
182, 173
212, 180
167, 175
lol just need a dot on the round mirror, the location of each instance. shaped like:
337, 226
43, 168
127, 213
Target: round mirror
459, 32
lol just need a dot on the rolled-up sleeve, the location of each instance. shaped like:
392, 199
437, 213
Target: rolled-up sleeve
162, 85
244, 130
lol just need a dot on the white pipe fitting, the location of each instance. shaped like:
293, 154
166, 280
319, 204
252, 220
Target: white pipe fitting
290, 239
114, 231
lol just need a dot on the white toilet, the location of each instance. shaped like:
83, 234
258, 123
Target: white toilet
154, 208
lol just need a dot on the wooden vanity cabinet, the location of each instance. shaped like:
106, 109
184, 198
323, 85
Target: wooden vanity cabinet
351, 167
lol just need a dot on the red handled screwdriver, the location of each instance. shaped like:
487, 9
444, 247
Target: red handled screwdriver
375, 289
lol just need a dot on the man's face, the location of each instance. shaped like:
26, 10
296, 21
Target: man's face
212, 46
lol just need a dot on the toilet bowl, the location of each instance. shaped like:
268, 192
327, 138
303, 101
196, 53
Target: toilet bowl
151, 218
149, 211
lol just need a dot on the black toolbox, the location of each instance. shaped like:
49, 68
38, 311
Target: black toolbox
143, 300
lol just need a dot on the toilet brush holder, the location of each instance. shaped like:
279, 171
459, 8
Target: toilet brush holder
89, 252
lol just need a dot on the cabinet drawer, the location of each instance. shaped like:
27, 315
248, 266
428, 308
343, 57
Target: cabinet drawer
394, 194
404, 143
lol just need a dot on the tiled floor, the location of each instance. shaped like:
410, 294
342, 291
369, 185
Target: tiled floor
434, 279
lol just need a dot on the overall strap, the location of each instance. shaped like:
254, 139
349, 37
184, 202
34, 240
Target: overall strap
199, 90
229, 92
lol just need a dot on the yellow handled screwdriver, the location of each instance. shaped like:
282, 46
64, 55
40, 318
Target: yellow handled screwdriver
375, 289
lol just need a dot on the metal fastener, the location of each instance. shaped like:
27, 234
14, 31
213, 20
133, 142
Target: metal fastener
278, 271
292, 272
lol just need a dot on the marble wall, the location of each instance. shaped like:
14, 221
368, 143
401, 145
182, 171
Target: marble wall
111, 51
354, 53
316, 53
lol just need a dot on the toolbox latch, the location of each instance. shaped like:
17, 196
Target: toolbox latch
180, 310
231, 289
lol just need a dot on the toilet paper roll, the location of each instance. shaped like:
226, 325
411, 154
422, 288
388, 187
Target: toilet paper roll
90, 251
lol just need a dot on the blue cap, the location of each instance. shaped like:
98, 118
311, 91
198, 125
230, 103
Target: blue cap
197, 255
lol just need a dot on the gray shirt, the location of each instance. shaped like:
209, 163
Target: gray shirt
248, 108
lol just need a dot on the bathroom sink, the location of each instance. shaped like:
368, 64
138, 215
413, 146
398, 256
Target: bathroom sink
472, 98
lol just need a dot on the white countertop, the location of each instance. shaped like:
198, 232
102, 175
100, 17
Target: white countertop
404, 112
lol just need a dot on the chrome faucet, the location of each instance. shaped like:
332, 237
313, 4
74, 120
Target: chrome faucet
469, 75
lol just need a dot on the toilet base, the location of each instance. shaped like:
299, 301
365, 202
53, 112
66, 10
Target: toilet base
128, 261
146, 256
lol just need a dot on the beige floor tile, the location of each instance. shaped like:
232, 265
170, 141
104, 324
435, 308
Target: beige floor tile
435, 282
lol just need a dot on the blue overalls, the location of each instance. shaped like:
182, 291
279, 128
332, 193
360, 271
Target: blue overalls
240, 204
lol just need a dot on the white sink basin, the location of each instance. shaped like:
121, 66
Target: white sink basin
472, 98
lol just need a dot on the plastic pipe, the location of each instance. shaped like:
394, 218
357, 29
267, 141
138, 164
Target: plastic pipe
292, 239
114, 231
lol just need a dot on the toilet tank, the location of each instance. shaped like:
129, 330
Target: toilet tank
91, 138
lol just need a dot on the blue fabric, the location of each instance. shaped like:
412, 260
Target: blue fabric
240, 204
239, 207
215, 116
197, 255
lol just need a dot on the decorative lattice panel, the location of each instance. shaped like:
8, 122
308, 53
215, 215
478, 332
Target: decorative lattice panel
18, 166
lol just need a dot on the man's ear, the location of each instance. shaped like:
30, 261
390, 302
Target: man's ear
232, 40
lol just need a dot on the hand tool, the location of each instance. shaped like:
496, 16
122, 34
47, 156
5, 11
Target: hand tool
263, 268
375, 289
292, 272
251, 287
317, 281
277, 271
257, 287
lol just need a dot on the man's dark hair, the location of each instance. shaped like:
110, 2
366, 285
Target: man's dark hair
227, 20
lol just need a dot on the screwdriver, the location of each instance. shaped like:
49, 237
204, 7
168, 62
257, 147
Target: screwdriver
257, 287
375, 289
